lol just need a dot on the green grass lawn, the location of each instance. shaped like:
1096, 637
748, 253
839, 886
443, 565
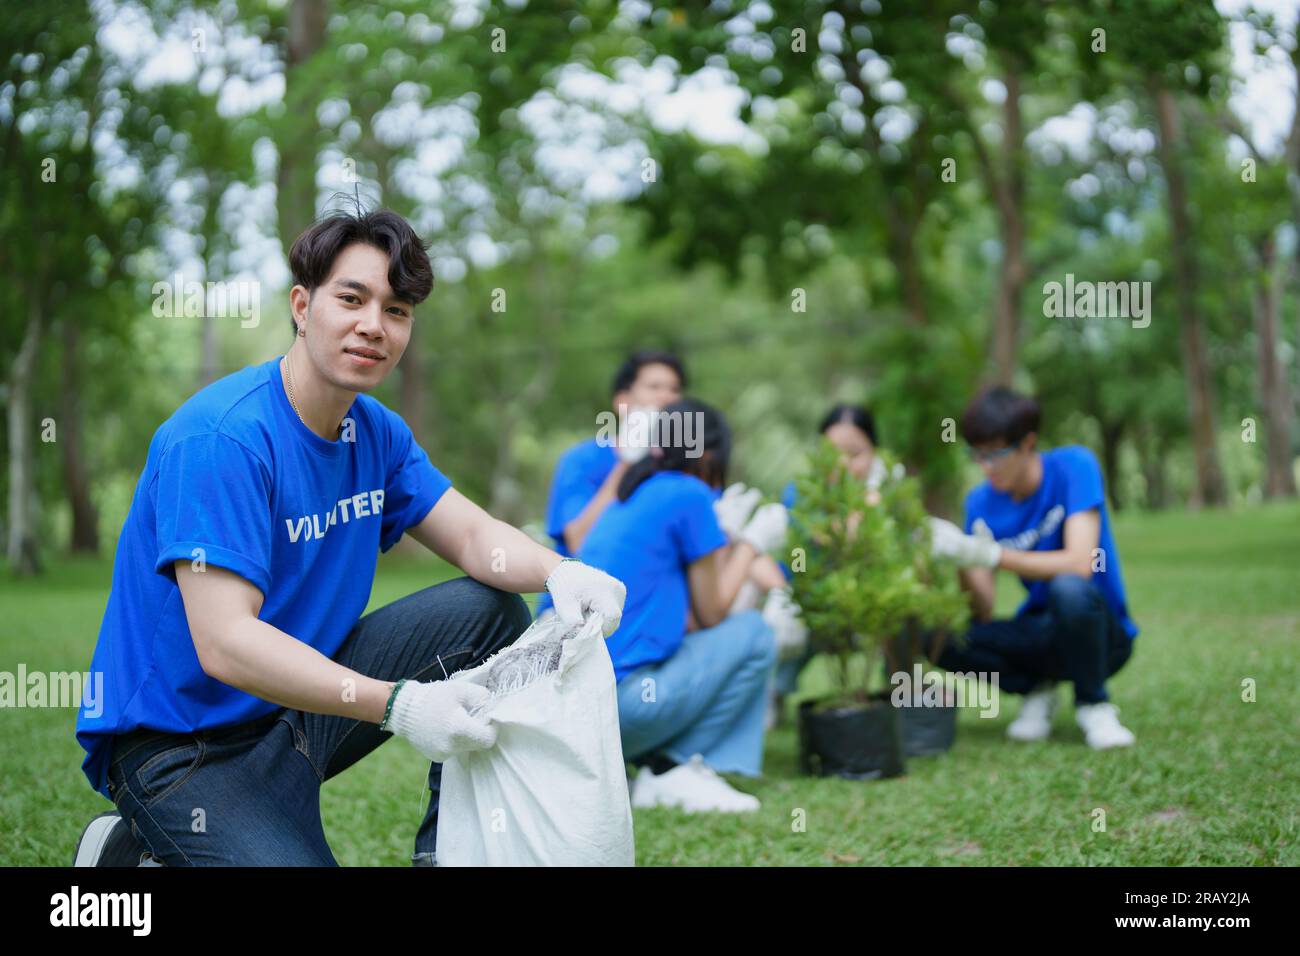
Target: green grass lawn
1212, 780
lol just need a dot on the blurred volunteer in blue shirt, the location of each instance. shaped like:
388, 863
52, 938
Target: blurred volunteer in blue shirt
587, 475
1041, 516
238, 671
691, 702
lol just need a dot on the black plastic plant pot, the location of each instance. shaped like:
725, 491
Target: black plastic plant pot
927, 730
863, 742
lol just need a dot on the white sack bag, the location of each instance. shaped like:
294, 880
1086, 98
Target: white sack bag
553, 790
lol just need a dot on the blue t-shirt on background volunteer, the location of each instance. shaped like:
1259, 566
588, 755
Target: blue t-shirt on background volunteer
578, 476
648, 542
234, 479
1071, 483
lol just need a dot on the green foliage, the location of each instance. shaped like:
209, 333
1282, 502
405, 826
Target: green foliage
869, 574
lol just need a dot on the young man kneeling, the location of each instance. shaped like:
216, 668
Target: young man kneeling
1042, 516
239, 673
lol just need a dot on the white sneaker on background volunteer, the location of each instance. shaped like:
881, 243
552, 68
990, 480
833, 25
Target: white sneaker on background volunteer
1101, 726
692, 786
1034, 722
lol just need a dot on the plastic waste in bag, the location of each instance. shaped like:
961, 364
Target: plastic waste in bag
553, 789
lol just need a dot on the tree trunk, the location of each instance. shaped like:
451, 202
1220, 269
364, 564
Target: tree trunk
1292, 154
85, 519
410, 398
1274, 396
295, 179
207, 350
208, 359
515, 396
902, 250
1110, 439
1152, 458
1210, 488
900, 223
21, 548
1013, 272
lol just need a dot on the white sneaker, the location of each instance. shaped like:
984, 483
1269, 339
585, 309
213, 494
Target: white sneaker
1034, 722
692, 786
1101, 726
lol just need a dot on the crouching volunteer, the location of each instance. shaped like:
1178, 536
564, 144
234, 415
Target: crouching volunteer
1042, 516
239, 674
587, 475
690, 703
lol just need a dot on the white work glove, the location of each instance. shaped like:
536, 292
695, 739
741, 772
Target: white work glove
875, 478
636, 433
782, 615
734, 508
434, 716
579, 590
875, 474
766, 530
631, 454
949, 543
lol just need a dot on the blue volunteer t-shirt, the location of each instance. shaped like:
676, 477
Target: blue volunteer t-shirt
578, 476
234, 479
1071, 483
648, 542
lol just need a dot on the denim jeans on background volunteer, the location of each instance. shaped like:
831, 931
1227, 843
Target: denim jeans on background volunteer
257, 784
786, 680
708, 698
1076, 638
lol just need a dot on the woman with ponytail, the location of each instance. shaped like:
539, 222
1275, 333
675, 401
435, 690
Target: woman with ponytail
691, 702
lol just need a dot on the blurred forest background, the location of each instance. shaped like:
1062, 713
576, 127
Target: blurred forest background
810, 201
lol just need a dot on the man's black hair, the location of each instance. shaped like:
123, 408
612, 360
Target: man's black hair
626, 375
410, 274
857, 415
999, 412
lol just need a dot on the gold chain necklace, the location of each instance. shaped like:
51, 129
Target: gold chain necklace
288, 370
288, 375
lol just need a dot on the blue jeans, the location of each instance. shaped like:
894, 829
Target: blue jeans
249, 794
1076, 637
707, 699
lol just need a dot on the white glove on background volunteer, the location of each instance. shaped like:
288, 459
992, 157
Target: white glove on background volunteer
766, 530
875, 474
631, 454
782, 615
636, 433
734, 508
579, 590
434, 717
949, 543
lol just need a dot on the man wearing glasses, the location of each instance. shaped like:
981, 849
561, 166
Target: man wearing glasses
1041, 516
